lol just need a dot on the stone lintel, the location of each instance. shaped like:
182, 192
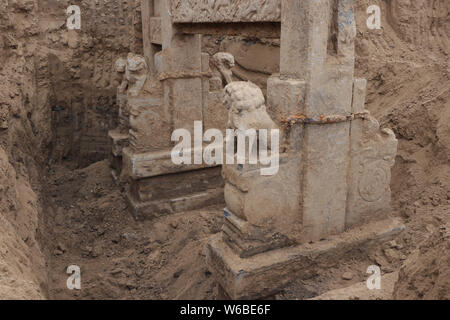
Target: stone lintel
156, 163
268, 273
270, 30
153, 209
200, 11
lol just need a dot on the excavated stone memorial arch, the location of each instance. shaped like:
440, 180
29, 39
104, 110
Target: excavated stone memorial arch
331, 195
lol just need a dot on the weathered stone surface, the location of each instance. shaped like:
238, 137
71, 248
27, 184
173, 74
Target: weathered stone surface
185, 101
333, 175
266, 274
214, 112
124, 125
246, 107
172, 93
165, 194
222, 62
247, 240
285, 97
136, 73
372, 159
151, 31
245, 29
175, 186
151, 164
181, 54
158, 60
119, 137
155, 30
309, 56
199, 11
269, 204
373, 154
258, 57
154, 209
147, 116
119, 141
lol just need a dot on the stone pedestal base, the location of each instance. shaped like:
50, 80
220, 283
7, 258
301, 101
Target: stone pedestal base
159, 187
266, 274
118, 142
116, 166
166, 194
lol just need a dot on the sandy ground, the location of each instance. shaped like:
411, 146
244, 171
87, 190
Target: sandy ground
89, 226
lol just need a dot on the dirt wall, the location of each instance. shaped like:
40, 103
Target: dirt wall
78, 79
23, 132
57, 102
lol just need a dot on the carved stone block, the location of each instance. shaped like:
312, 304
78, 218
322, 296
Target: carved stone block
199, 11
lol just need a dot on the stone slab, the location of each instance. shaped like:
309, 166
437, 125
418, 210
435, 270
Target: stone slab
171, 186
199, 11
170, 193
119, 141
359, 291
245, 29
153, 209
155, 30
151, 164
268, 273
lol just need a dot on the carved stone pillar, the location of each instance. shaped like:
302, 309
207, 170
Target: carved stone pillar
334, 169
175, 96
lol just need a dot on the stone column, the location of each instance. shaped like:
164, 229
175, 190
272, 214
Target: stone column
173, 98
330, 178
317, 47
316, 79
151, 32
147, 9
182, 65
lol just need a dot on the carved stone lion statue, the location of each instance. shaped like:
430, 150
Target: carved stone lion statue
136, 73
121, 67
246, 107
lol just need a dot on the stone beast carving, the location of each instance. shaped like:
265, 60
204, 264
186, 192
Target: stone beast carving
246, 107
136, 73
120, 66
222, 63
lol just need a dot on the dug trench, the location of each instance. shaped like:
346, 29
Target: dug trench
59, 207
87, 222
